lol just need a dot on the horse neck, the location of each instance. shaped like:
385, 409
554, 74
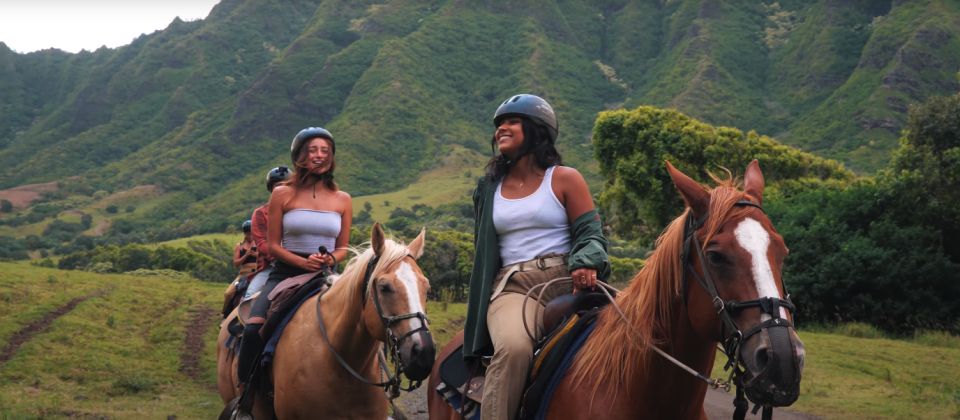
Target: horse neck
343, 318
671, 389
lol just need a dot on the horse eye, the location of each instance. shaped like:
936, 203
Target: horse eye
716, 258
386, 288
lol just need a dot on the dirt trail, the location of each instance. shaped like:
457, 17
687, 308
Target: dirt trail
201, 317
38, 326
718, 406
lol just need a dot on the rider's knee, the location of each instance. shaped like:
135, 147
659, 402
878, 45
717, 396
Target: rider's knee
514, 349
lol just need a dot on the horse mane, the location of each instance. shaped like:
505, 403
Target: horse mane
354, 272
612, 355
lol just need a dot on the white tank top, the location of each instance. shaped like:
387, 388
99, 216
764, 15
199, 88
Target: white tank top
305, 230
531, 226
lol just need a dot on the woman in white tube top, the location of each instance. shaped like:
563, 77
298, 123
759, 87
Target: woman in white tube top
306, 212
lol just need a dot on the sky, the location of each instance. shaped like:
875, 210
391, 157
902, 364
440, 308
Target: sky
74, 25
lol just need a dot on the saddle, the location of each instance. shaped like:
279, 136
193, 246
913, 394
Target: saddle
567, 317
286, 295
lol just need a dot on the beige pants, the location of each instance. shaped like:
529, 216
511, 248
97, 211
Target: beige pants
513, 348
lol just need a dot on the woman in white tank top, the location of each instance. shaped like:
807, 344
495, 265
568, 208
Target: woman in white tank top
534, 205
306, 211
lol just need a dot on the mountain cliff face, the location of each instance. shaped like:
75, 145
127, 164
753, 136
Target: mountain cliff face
200, 110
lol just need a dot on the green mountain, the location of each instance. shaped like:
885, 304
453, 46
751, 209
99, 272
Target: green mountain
200, 110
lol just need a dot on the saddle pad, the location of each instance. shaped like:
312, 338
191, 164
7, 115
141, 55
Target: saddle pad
553, 365
453, 370
454, 373
541, 354
271, 346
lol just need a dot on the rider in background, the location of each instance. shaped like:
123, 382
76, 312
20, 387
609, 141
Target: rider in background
305, 212
245, 256
535, 221
259, 234
245, 252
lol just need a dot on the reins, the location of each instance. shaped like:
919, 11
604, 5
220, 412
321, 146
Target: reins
393, 384
714, 383
730, 345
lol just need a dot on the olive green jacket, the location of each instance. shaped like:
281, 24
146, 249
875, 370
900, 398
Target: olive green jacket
588, 249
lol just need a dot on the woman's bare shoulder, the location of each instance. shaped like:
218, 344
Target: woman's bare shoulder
568, 174
282, 191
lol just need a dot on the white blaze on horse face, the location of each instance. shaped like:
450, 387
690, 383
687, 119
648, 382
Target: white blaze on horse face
409, 279
756, 240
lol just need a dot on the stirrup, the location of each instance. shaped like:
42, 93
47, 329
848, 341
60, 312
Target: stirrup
239, 414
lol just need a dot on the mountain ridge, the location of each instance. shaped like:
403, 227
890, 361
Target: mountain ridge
202, 109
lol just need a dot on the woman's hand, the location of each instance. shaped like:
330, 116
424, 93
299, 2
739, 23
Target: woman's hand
583, 279
314, 262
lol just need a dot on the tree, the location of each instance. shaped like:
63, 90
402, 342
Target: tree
631, 146
6, 206
925, 170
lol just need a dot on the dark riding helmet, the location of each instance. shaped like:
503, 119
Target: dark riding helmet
246, 226
532, 107
306, 135
279, 174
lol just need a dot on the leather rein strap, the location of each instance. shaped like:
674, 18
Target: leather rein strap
726, 309
392, 386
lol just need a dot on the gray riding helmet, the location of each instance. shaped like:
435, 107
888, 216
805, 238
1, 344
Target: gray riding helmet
530, 106
307, 134
279, 174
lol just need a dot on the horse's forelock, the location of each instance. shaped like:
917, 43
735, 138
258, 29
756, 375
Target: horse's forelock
355, 270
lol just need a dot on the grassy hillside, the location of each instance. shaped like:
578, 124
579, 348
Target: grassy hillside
199, 111
121, 351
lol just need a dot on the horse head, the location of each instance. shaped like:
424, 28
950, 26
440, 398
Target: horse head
395, 298
734, 257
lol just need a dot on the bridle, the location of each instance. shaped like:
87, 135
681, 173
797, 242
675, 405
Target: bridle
393, 384
732, 335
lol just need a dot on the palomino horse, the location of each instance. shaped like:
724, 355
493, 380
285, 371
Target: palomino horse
379, 299
716, 269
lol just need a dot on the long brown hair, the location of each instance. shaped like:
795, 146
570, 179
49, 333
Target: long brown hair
303, 177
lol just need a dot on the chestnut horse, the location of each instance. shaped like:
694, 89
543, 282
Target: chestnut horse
379, 299
715, 277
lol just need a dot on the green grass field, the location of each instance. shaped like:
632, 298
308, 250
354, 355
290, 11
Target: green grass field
118, 353
452, 181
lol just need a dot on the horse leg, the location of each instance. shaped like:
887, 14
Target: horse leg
226, 363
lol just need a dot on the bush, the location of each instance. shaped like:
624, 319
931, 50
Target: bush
205, 260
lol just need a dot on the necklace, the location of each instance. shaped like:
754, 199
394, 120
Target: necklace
524, 181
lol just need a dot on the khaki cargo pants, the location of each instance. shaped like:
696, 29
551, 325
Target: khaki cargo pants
513, 348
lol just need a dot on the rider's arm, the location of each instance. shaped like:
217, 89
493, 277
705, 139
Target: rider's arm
258, 230
238, 255
588, 259
343, 239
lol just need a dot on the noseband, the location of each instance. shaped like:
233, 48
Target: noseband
733, 336
393, 385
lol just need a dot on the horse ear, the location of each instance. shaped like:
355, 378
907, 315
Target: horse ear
416, 246
693, 193
753, 181
377, 239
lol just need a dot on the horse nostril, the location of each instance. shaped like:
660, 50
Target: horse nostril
415, 350
762, 357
